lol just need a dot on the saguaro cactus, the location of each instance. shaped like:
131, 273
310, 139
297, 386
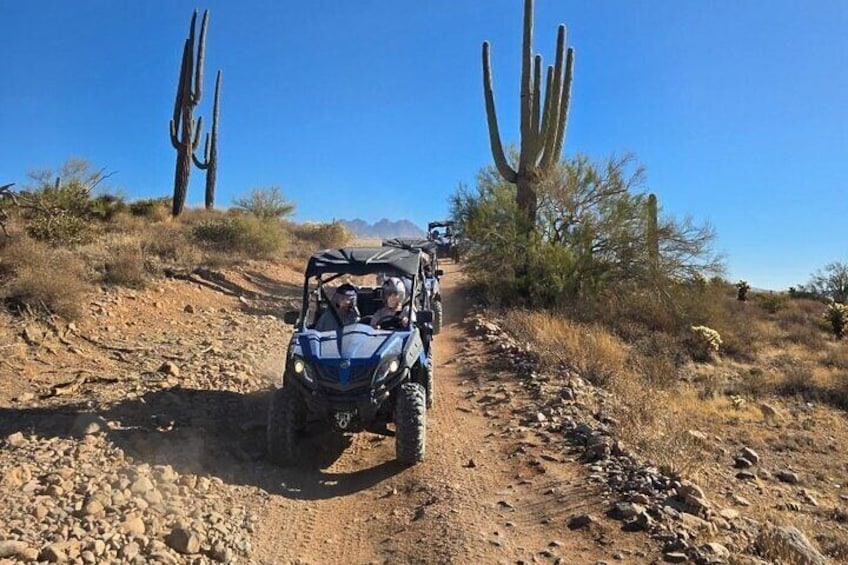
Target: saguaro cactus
210, 153
543, 125
653, 236
185, 134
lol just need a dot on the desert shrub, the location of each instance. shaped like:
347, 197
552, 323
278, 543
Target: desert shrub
59, 207
248, 236
265, 203
61, 229
320, 236
157, 209
125, 265
41, 279
170, 245
106, 206
772, 302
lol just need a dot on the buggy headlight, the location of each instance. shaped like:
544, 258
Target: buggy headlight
301, 369
387, 367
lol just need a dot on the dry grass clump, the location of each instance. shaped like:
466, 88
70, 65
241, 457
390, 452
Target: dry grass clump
597, 355
126, 265
35, 277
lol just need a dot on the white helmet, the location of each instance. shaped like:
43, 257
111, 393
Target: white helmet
394, 285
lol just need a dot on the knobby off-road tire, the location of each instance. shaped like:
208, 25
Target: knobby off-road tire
286, 417
437, 316
410, 424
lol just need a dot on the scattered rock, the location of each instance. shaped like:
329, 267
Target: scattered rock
742, 463
788, 476
183, 541
33, 335
750, 455
625, 510
15, 440
581, 521
169, 368
13, 548
717, 550
53, 553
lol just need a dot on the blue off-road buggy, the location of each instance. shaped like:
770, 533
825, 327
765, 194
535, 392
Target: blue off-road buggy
357, 376
432, 273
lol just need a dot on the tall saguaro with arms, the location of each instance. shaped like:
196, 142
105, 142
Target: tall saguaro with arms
543, 123
210, 154
185, 134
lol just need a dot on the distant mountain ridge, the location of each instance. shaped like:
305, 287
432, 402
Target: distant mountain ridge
384, 229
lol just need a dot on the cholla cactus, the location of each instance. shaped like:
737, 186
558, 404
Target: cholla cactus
837, 314
742, 288
709, 337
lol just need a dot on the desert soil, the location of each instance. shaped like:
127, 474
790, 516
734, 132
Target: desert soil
136, 435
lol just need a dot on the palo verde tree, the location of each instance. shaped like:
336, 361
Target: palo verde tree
210, 154
543, 124
589, 240
185, 134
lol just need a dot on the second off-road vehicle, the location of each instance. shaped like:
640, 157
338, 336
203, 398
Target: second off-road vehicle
432, 273
442, 233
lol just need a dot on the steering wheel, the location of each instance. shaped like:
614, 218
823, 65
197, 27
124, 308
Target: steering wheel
390, 323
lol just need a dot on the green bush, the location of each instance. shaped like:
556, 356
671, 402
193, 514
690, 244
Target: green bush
106, 206
772, 302
265, 203
63, 229
248, 236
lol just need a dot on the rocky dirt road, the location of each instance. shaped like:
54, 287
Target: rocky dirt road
137, 436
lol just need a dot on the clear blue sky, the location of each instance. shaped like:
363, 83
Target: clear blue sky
371, 109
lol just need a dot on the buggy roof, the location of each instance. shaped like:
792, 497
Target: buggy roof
441, 224
365, 261
411, 243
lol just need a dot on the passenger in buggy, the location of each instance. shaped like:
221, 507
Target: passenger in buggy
342, 311
393, 312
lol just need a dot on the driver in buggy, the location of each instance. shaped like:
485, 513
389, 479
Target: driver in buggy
394, 293
342, 311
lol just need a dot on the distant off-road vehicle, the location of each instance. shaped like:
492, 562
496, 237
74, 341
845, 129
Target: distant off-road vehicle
432, 273
362, 373
443, 234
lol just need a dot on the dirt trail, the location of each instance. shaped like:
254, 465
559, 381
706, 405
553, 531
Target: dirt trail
169, 386
482, 495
